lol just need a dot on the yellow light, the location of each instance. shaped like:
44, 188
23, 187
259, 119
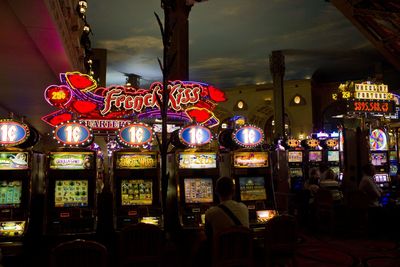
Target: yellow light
240, 104
297, 99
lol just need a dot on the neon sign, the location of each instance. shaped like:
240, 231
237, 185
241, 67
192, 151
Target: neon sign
248, 136
195, 135
12, 132
73, 134
135, 134
78, 96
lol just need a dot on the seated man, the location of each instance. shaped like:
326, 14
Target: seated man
228, 213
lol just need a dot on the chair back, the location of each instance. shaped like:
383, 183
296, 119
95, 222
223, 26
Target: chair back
79, 253
233, 247
140, 243
281, 234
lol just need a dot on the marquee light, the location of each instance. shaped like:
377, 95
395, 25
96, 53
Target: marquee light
135, 135
195, 135
248, 136
73, 133
12, 132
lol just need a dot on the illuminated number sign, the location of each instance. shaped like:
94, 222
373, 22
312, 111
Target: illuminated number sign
135, 134
13, 133
195, 135
58, 96
73, 134
248, 136
371, 106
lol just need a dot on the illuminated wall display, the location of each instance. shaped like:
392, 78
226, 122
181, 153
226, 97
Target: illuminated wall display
248, 136
78, 94
195, 135
135, 135
73, 134
13, 133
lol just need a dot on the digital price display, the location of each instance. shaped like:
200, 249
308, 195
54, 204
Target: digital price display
73, 134
195, 135
135, 135
365, 106
248, 136
13, 133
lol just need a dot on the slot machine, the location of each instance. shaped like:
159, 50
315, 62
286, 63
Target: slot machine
295, 164
252, 174
137, 187
19, 166
332, 155
197, 173
379, 157
314, 153
136, 177
71, 192
15, 193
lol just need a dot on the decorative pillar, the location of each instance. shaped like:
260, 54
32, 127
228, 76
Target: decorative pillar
277, 68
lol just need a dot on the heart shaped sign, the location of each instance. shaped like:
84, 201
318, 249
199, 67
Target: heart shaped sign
84, 106
58, 95
79, 81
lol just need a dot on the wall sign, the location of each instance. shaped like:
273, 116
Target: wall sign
135, 135
248, 136
195, 135
12, 132
73, 134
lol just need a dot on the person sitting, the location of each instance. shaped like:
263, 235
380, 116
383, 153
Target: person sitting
228, 213
369, 187
312, 183
330, 182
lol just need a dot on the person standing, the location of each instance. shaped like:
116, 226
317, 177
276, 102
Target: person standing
369, 187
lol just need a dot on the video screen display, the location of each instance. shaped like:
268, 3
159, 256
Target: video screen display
197, 160
14, 160
393, 155
136, 192
295, 172
393, 170
336, 170
71, 193
378, 158
295, 156
198, 190
10, 193
250, 159
315, 156
71, 160
333, 155
252, 188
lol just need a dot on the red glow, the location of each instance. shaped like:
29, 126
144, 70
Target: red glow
82, 82
58, 96
60, 118
200, 115
216, 94
84, 107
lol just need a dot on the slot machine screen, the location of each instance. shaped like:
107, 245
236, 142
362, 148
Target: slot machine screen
333, 155
252, 188
295, 156
197, 160
381, 178
393, 170
315, 156
296, 172
136, 192
392, 155
378, 158
71, 193
336, 170
10, 193
198, 190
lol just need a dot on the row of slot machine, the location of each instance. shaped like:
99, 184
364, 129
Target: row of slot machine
71, 189
320, 150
